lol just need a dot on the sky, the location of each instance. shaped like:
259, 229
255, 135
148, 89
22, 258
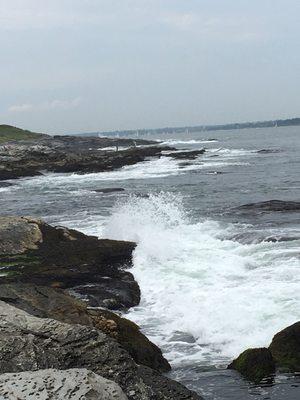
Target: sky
95, 65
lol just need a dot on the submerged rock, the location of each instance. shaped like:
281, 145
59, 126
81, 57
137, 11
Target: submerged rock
32, 251
254, 364
268, 151
29, 343
271, 205
73, 384
285, 348
47, 302
186, 155
5, 184
109, 190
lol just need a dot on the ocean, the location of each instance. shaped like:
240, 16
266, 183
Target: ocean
215, 279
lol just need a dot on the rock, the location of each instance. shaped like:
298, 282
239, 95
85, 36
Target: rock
73, 384
29, 343
47, 302
254, 364
268, 151
186, 155
5, 184
285, 348
272, 205
32, 251
71, 154
109, 190
128, 334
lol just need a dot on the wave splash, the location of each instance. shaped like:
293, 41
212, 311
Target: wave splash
206, 297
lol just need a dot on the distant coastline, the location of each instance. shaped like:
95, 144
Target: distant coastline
197, 128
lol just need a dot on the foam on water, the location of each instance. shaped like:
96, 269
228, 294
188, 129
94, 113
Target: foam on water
153, 168
198, 283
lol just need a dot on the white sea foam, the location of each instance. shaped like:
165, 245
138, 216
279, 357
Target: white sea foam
195, 280
153, 168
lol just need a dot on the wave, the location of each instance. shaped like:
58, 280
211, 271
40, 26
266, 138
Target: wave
197, 282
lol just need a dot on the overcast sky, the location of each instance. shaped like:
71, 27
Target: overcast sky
85, 65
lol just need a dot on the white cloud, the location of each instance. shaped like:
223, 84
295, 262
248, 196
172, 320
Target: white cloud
46, 106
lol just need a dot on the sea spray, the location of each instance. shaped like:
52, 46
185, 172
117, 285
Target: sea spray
205, 297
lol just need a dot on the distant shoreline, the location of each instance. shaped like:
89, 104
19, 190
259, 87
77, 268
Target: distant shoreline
197, 128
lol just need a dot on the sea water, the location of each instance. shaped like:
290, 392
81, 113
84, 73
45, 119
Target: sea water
214, 280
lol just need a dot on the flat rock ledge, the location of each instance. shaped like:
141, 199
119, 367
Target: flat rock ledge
32, 251
75, 384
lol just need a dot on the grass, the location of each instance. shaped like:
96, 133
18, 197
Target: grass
8, 132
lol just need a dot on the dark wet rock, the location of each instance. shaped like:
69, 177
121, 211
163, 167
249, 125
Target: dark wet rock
128, 334
271, 205
254, 364
29, 343
214, 173
258, 236
268, 151
5, 184
186, 155
275, 239
47, 302
109, 190
285, 348
75, 384
71, 154
32, 251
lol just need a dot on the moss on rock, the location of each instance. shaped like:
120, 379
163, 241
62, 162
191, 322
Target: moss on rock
285, 348
254, 364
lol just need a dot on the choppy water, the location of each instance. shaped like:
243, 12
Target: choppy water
212, 282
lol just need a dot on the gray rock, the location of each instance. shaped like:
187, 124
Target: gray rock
32, 251
74, 384
18, 235
47, 302
29, 343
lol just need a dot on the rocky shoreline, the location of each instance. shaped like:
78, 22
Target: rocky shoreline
34, 157
57, 287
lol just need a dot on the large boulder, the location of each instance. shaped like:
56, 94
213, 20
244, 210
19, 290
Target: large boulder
285, 348
33, 251
254, 364
73, 384
29, 343
47, 302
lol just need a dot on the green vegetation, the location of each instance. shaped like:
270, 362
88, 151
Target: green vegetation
8, 132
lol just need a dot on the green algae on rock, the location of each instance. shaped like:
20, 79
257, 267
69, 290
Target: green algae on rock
285, 348
254, 364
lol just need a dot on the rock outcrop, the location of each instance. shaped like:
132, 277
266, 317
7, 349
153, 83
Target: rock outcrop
71, 154
75, 384
271, 205
186, 155
29, 343
285, 348
254, 364
32, 251
47, 302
